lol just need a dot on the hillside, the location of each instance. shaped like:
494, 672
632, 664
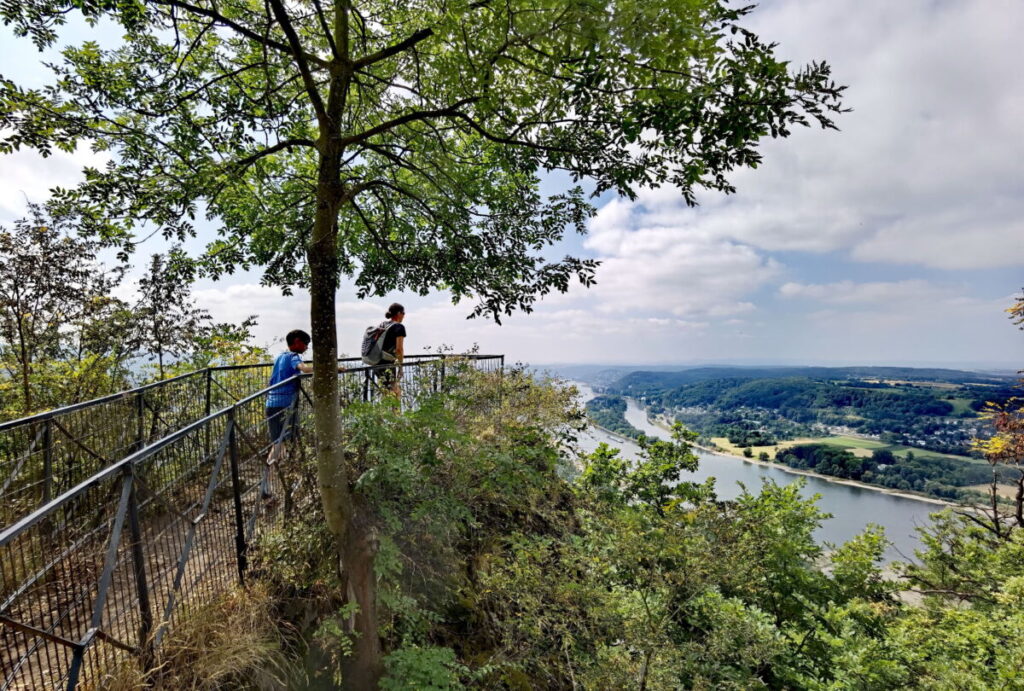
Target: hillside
644, 379
929, 409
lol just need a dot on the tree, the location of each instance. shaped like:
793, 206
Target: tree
399, 145
1006, 445
1016, 311
54, 295
885, 457
169, 321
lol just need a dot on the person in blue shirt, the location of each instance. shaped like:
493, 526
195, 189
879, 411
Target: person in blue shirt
282, 411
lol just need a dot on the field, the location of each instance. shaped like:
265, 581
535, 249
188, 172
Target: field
961, 405
862, 448
922, 384
1005, 491
727, 446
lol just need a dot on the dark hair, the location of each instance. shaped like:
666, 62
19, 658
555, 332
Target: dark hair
394, 309
297, 334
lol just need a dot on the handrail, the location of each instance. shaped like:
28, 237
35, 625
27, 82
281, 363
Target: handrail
14, 529
104, 566
42, 512
74, 407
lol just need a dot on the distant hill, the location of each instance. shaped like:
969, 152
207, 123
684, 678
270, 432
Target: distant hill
601, 375
650, 378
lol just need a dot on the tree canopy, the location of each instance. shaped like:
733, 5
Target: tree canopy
400, 144
436, 116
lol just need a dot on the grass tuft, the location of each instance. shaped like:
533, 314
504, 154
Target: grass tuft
232, 643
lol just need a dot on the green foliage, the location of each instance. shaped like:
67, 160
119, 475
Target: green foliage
497, 572
434, 669
609, 412
652, 480
938, 476
739, 436
63, 337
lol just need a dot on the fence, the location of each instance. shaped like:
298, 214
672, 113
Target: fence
45, 455
95, 576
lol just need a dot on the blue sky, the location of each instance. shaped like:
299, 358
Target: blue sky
898, 240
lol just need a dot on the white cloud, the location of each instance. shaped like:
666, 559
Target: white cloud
671, 270
926, 169
28, 177
870, 293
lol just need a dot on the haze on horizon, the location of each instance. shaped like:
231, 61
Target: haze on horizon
898, 240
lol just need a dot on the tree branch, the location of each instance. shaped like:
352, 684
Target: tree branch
244, 31
407, 118
394, 49
281, 14
241, 164
325, 28
405, 44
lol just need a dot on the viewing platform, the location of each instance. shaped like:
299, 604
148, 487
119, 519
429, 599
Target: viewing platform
122, 513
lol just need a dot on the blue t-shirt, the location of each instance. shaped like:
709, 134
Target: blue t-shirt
285, 366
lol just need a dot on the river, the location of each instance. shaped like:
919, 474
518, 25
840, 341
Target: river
852, 507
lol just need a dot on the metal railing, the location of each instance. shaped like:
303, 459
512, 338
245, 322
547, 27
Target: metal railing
95, 575
44, 455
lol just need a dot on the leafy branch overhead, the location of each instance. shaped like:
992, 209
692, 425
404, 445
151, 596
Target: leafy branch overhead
438, 116
400, 144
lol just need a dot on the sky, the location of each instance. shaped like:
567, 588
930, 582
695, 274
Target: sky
898, 240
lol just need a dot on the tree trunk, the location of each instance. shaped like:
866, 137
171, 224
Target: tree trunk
997, 523
643, 670
353, 535
1019, 501
364, 667
26, 388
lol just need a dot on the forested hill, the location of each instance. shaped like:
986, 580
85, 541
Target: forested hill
646, 380
933, 409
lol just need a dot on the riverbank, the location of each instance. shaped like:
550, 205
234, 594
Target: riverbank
662, 424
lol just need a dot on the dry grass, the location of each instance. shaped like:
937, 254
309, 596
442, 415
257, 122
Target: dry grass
232, 643
735, 450
1005, 491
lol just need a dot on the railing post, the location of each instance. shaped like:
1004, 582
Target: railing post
140, 420
141, 583
366, 387
236, 490
103, 587
209, 382
501, 381
442, 371
207, 409
47, 460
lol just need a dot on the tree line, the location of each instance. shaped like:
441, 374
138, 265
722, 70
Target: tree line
67, 334
940, 477
610, 412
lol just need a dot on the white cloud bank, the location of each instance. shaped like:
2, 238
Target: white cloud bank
926, 170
